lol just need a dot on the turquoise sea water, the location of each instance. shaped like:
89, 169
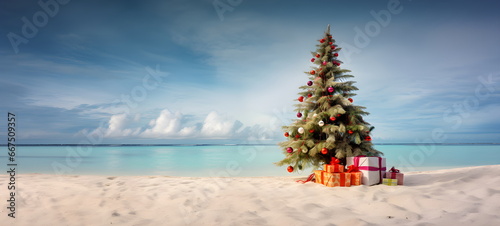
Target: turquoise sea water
223, 160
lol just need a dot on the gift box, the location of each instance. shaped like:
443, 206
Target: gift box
334, 166
356, 175
373, 168
318, 175
356, 178
394, 173
390, 182
337, 179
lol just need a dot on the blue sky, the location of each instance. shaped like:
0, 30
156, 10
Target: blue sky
184, 72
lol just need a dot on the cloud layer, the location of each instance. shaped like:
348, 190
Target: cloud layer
173, 125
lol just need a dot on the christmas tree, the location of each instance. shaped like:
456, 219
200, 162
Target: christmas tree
329, 124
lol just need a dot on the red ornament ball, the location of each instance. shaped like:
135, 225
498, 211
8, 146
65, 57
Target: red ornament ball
350, 132
333, 118
312, 72
310, 83
338, 115
299, 115
317, 55
309, 95
368, 138
322, 40
324, 62
311, 131
289, 150
331, 89
297, 136
286, 134
301, 98
324, 151
333, 47
312, 59
289, 169
335, 54
329, 43
350, 100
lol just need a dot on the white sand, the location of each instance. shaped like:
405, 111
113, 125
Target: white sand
466, 196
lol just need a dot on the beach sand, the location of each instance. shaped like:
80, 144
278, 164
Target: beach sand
465, 196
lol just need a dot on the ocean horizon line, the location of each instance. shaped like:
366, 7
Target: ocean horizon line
159, 145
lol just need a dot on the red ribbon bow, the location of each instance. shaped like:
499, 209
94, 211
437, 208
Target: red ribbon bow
393, 170
310, 178
352, 169
334, 161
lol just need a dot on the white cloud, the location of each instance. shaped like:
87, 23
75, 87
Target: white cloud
216, 125
188, 131
117, 127
170, 125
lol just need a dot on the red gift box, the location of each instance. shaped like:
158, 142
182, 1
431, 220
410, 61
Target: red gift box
394, 173
356, 175
337, 179
334, 166
318, 175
